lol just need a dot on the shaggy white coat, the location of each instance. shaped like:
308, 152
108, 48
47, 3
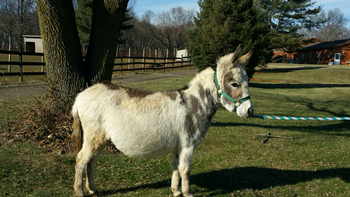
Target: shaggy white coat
152, 124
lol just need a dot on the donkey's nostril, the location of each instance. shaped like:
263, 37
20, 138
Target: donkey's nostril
250, 112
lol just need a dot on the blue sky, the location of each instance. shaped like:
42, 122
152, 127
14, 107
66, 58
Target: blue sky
158, 6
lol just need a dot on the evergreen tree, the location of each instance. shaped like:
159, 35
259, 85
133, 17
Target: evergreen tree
84, 19
286, 17
221, 25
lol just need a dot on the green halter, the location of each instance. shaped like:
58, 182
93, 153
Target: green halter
226, 95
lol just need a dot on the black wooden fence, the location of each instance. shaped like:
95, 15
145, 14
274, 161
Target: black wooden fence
147, 63
22, 63
122, 64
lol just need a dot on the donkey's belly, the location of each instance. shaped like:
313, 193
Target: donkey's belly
146, 133
146, 144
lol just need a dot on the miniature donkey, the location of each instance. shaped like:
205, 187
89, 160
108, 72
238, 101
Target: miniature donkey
147, 124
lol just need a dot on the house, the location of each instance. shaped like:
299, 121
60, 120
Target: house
283, 55
33, 43
330, 52
181, 54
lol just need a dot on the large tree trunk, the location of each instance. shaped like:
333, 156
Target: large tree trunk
61, 46
106, 23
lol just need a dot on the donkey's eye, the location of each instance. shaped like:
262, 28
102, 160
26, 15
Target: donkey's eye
235, 85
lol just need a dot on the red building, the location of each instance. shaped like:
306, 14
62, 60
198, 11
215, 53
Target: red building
330, 52
286, 56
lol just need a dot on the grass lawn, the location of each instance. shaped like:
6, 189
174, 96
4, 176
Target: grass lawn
232, 161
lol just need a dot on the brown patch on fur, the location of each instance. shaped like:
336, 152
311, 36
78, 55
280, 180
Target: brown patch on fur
183, 88
228, 79
136, 93
237, 94
198, 119
132, 93
190, 126
172, 95
77, 132
98, 141
111, 85
243, 61
201, 92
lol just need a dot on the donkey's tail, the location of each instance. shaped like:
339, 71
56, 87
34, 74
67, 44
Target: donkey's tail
77, 134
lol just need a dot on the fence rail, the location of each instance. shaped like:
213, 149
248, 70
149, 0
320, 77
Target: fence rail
133, 63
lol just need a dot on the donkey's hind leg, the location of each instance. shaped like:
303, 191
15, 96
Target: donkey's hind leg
90, 170
87, 156
83, 158
175, 179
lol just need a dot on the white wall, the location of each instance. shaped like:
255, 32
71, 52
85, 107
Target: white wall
37, 40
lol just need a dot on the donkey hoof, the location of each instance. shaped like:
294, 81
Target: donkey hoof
177, 194
92, 192
188, 195
79, 193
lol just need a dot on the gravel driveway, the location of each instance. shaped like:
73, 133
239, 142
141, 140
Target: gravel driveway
19, 90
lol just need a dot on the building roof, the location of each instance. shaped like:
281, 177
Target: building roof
31, 36
325, 45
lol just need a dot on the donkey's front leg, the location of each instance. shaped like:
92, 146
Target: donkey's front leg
175, 179
184, 168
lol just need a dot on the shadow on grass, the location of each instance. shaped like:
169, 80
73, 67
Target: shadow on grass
296, 86
284, 70
329, 129
229, 180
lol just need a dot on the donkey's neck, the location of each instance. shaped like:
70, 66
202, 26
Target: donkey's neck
202, 102
202, 88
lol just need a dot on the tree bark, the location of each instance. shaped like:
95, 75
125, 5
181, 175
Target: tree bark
106, 24
61, 47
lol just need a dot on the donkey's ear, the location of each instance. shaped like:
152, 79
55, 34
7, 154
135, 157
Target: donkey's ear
226, 63
244, 60
237, 53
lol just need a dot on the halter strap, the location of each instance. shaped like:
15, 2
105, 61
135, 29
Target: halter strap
220, 92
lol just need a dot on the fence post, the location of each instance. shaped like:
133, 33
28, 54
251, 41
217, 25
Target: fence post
20, 63
167, 56
42, 61
190, 63
182, 62
143, 60
9, 59
129, 58
165, 61
121, 64
155, 61
133, 62
173, 63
